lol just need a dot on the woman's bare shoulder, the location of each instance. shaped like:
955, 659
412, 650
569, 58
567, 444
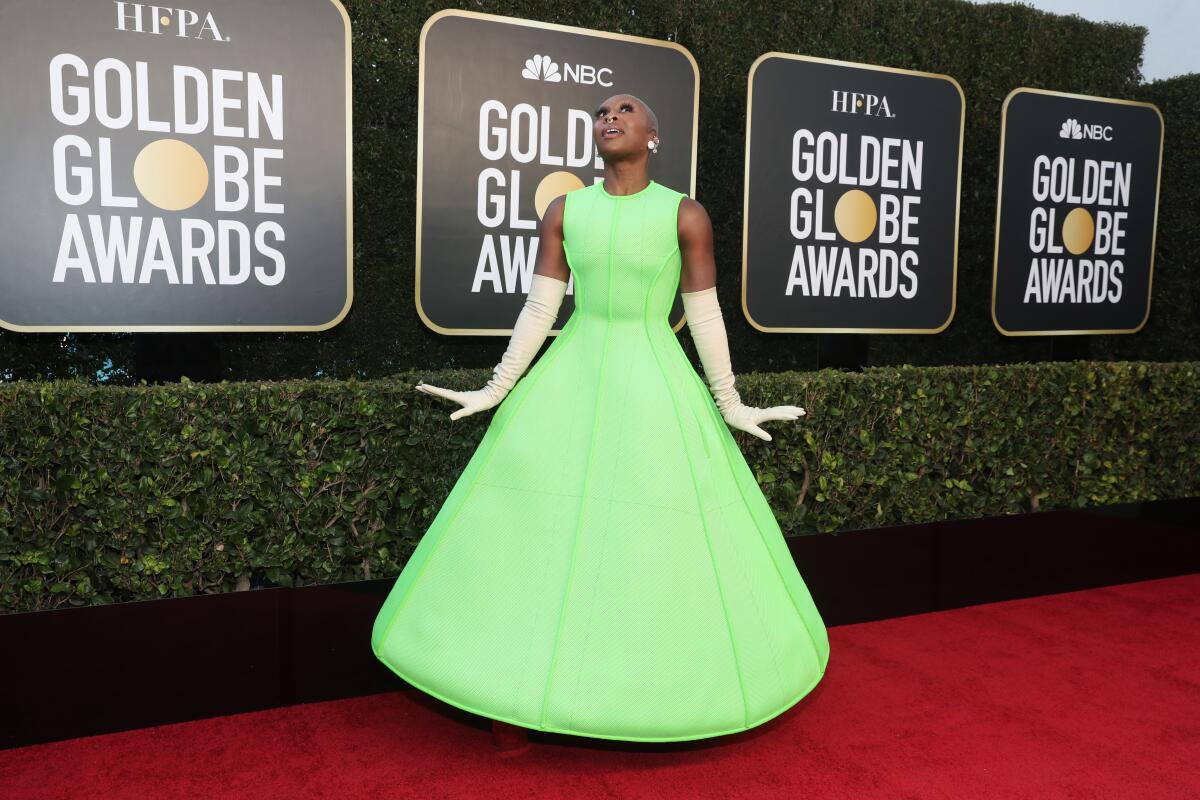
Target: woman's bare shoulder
552, 220
694, 223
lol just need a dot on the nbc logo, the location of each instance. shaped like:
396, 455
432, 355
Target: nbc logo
1071, 129
541, 68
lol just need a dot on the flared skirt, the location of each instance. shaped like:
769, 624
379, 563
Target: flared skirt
606, 564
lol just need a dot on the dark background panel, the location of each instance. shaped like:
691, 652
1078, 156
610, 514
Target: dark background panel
309, 54
790, 94
469, 61
1033, 124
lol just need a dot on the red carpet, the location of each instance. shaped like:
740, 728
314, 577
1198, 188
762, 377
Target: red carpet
1092, 694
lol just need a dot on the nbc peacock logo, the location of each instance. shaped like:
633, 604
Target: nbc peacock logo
541, 68
1074, 129
1071, 129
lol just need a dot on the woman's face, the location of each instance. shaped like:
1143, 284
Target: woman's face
621, 128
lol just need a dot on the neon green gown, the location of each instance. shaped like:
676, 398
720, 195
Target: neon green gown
606, 565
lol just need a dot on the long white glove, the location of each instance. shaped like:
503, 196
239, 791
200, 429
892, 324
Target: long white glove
529, 332
707, 326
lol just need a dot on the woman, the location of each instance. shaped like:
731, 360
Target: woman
606, 564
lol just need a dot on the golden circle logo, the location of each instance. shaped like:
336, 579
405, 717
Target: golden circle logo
170, 174
855, 215
553, 185
1078, 231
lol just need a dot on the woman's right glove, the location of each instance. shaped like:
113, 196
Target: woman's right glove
704, 320
529, 332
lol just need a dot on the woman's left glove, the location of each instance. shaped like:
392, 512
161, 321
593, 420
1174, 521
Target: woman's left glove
708, 332
529, 332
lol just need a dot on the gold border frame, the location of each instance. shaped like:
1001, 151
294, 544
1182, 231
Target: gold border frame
253, 328
528, 23
1162, 131
962, 120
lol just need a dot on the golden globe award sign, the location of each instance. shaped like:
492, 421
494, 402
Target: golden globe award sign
1076, 213
851, 197
506, 110
174, 169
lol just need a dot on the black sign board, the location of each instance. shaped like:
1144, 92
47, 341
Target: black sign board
505, 127
1076, 213
851, 197
170, 169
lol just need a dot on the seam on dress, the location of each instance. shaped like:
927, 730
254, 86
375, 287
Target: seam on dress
770, 557
587, 470
566, 335
530, 642
700, 505
605, 536
751, 594
741, 500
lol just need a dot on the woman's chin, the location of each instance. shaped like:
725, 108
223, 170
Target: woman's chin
612, 151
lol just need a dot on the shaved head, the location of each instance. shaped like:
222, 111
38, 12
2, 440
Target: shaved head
651, 117
649, 113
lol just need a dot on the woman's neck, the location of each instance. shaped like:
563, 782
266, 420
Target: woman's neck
621, 178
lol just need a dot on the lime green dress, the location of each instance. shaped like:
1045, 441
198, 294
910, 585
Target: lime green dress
606, 565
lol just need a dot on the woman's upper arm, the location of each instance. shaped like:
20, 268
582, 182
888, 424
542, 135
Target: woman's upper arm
698, 270
551, 258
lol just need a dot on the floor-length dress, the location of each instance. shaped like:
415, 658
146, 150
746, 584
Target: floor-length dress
606, 565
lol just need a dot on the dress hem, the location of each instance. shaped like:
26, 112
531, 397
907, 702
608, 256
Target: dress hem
551, 729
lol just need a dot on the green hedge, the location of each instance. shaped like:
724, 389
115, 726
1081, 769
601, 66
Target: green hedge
1174, 326
989, 48
111, 494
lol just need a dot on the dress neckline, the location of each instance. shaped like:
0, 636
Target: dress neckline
638, 193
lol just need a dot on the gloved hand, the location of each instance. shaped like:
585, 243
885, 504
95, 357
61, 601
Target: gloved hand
529, 332
708, 331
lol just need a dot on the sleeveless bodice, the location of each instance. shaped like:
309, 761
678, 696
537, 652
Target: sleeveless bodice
623, 252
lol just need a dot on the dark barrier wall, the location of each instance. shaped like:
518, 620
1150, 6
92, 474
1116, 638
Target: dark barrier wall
988, 49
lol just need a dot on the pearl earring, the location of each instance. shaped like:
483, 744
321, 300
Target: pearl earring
653, 147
